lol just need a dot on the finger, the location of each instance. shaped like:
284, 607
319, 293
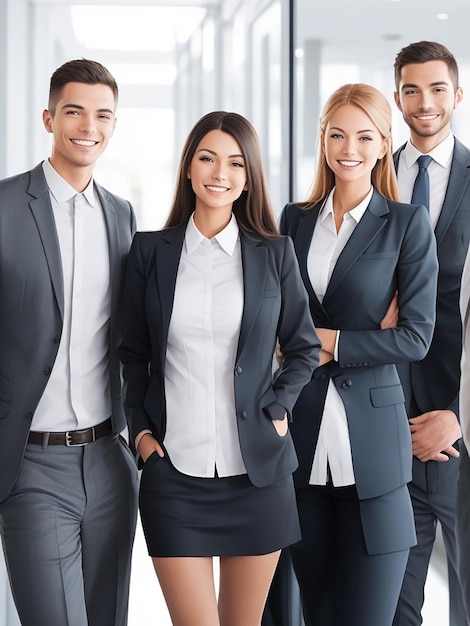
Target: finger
159, 449
451, 451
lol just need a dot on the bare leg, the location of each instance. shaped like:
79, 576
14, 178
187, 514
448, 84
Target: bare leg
244, 586
188, 587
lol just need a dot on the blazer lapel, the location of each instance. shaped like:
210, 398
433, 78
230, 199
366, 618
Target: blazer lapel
112, 231
254, 261
42, 211
365, 232
303, 239
167, 259
458, 181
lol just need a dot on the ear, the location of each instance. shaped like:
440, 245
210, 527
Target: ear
458, 97
396, 97
188, 174
47, 121
384, 149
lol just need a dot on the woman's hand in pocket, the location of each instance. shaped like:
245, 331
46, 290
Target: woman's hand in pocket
148, 445
281, 426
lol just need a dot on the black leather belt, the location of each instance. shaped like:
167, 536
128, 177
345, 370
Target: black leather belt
72, 437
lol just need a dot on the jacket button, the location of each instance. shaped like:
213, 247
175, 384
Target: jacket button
56, 339
346, 383
47, 370
238, 370
29, 415
243, 415
323, 377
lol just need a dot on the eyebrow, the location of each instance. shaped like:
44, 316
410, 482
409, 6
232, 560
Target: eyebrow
79, 106
230, 156
435, 84
366, 130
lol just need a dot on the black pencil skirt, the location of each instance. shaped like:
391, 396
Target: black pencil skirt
187, 516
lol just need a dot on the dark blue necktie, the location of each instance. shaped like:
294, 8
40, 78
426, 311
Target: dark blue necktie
421, 186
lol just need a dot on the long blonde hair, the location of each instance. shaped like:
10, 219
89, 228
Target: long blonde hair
376, 106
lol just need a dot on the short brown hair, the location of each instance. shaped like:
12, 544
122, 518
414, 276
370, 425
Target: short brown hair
79, 71
422, 52
253, 208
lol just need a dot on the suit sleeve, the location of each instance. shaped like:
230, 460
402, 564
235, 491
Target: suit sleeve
417, 284
298, 340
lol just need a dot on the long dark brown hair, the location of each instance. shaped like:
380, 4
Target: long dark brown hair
252, 209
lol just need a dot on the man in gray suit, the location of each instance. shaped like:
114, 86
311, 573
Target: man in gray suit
68, 481
427, 92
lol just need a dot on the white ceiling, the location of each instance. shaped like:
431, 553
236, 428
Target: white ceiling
372, 30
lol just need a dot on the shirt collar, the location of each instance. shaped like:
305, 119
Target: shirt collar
442, 153
227, 238
60, 188
355, 213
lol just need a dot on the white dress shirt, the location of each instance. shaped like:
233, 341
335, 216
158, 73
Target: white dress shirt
333, 445
77, 393
438, 170
201, 432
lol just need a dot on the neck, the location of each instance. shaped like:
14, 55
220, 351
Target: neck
212, 222
77, 177
348, 195
426, 144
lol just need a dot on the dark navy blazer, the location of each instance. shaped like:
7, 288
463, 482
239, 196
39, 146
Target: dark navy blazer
275, 305
391, 249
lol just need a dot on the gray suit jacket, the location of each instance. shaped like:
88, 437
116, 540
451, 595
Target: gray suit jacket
275, 305
32, 302
392, 248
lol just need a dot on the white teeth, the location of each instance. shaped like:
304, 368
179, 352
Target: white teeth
84, 142
216, 189
426, 117
349, 163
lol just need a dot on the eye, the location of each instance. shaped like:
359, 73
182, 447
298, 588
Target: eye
104, 116
205, 159
411, 92
237, 164
365, 138
336, 136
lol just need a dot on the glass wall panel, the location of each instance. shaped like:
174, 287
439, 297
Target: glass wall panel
337, 43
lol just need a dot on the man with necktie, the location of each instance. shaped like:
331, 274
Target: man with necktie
68, 481
433, 169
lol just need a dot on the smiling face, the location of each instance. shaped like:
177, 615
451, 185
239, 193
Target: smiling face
217, 172
351, 145
82, 124
427, 98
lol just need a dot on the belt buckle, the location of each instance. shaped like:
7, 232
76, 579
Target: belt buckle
68, 438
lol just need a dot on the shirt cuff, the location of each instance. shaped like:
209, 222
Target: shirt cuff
336, 355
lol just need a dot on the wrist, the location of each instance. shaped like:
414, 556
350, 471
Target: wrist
139, 437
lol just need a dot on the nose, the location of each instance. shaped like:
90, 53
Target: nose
87, 124
424, 101
219, 174
349, 146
